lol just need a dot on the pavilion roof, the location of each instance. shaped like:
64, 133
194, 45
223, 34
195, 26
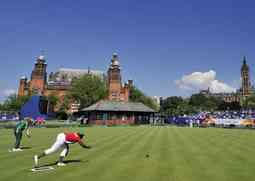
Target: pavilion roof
119, 106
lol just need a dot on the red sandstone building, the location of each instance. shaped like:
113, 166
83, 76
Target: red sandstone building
38, 84
115, 109
59, 82
56, 84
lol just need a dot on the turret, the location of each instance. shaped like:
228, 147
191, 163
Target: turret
38, 76
114, 79
22, 86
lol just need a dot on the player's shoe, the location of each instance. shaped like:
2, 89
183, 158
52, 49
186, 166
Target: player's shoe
61, 164
36, 160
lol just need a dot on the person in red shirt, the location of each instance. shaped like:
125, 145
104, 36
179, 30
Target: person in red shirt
62, 142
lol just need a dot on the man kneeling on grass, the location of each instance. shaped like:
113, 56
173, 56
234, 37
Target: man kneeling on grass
62, 142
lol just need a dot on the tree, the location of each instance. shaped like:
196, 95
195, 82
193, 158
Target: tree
198, 101
170, 104
212, 103
1, 107
137, 95
176, 106
14, 102
53, 100
64, 107
204, 103
184, 108
249, 102
87, 90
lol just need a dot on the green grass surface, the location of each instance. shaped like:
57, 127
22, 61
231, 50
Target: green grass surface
119, 154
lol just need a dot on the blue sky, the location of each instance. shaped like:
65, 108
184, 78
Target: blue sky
158, 42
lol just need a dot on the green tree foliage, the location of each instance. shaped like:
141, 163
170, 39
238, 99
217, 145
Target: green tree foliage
204, 103
137, 95
64, 107
213, 103
62, 113
196, 103
1, 107
87, 90
171, 103
176, 106
249, 102
53, 100
14, 102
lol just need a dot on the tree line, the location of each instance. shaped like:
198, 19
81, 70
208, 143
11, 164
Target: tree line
199, 102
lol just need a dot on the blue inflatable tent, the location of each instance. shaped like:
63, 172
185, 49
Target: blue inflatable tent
36, 106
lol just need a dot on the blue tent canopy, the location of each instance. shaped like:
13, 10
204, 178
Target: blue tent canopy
36, 106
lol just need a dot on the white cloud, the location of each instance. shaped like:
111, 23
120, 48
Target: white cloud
4, 93
8, 92
203, 80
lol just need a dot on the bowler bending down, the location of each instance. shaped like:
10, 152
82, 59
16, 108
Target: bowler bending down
62, 142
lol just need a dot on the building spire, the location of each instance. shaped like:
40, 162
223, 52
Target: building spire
244, 60
41, 56
245, 66
115, 60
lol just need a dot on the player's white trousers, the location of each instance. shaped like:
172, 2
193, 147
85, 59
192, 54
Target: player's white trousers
59, 144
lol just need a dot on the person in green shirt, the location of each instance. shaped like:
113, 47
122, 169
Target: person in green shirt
21, 126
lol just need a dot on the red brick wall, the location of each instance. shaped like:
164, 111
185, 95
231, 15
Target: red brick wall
21, 91
38, 84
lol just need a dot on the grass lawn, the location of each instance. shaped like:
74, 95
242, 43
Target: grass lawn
119, 154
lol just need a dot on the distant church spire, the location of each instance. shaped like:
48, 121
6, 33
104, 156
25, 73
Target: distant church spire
245, 75
244, 59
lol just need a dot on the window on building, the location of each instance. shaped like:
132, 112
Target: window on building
99, 116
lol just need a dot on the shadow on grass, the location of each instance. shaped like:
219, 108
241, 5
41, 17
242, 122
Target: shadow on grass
66, 162
25, 147
49, 164
73, 161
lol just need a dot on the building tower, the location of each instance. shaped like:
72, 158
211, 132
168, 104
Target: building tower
114, 79
245, 76
117, 91
38, 76
22, 86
